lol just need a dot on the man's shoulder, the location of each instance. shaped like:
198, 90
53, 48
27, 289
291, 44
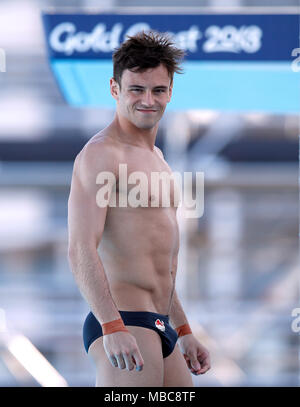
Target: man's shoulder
160, 153
99, 153
101, 143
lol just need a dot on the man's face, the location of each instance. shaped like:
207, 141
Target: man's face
143, 96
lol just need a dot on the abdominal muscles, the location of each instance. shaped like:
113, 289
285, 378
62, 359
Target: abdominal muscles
138, 249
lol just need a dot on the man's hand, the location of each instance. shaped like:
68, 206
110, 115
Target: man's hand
196, 355
122, 351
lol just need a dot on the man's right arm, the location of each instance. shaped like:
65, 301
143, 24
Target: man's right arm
86, 220
85, 227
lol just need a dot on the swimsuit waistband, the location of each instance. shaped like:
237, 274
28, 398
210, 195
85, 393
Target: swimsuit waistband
155, 314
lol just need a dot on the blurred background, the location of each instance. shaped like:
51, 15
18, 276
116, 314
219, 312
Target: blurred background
238, 275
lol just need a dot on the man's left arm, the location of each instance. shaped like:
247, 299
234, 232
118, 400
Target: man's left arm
196, 355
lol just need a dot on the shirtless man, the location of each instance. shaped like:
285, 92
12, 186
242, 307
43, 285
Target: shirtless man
124, 259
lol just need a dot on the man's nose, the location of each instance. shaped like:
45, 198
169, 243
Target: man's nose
148, 98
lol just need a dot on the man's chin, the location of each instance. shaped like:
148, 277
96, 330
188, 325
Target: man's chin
146, 126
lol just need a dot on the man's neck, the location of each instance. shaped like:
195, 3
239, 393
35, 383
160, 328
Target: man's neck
128, 133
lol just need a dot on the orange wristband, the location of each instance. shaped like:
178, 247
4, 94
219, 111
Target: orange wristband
114, 326
183, 330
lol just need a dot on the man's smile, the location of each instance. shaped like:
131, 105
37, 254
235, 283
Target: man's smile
146, 110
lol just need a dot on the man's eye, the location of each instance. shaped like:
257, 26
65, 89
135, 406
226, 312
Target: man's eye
159, 90
136, 90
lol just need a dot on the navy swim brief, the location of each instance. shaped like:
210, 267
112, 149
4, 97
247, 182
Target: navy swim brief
158, 322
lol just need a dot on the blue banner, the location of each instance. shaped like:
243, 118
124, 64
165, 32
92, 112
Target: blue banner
234, 62
205, 37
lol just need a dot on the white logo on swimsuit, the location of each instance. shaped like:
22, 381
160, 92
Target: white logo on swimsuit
160, 325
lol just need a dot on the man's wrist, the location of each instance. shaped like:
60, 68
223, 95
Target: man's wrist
183, 330
116, 325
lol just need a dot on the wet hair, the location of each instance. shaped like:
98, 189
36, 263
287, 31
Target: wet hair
147, 50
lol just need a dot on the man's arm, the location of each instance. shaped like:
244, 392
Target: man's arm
176, 314
195, 354
85, 227
86, 220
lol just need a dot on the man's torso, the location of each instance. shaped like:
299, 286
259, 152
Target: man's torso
139, 245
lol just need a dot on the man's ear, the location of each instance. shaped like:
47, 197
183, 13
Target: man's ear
114, 88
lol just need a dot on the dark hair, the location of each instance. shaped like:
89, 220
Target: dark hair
147, 50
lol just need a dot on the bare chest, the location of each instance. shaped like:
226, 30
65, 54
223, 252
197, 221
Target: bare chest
147, 181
